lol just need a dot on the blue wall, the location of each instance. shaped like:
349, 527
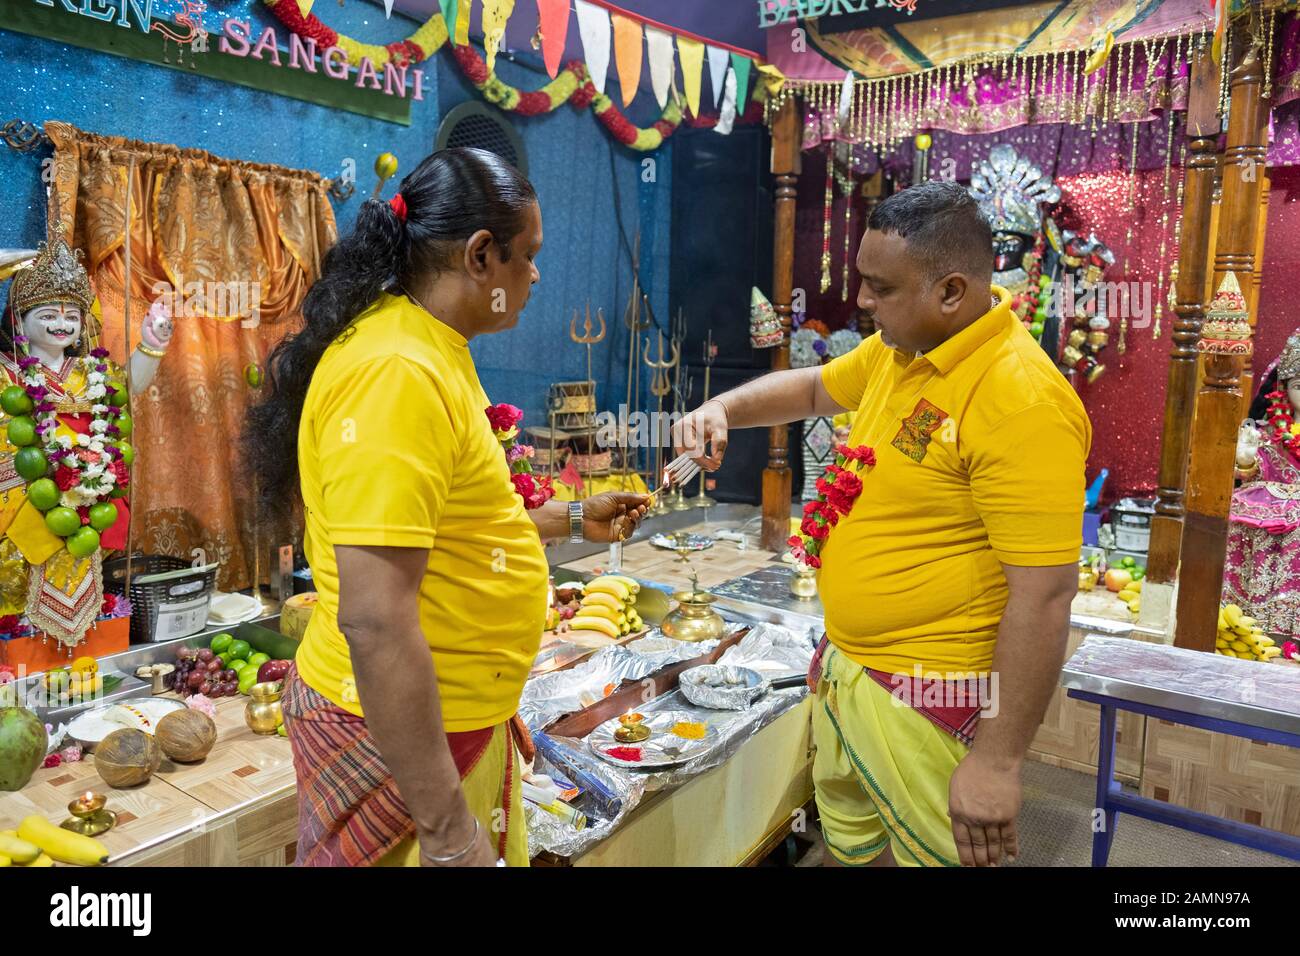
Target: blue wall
568, 150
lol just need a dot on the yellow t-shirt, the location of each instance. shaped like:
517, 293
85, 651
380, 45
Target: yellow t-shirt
395, 450
980, 451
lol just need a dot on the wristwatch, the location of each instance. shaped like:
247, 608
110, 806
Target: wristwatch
575, 522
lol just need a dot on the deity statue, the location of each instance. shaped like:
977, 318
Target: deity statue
1051, 275
65, 456
1262, 573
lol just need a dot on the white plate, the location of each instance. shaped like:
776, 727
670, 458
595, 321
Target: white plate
90, 728
661, 748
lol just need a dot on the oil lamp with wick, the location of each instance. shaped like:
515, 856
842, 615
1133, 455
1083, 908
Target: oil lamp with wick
89, 818
631, 729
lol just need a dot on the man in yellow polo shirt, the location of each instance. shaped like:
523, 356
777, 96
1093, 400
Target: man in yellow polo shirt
947, 586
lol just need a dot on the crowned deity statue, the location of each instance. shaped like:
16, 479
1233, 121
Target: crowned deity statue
1262, 573
65, 457
1054, 277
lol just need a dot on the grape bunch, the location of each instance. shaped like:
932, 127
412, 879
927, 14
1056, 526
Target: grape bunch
199, 671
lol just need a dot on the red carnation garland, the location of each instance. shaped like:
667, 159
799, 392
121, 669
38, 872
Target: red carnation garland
1279, 416
837, 489
534, 489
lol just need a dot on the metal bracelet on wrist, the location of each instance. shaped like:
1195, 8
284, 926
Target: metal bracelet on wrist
575, 522
468, 846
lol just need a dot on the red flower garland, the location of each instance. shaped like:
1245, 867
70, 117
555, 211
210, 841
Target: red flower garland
1280, 416
837, 489
504, 420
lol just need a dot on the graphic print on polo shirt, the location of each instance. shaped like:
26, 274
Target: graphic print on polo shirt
914, 435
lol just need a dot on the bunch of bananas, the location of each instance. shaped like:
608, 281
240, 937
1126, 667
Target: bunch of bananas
38, 842
608, 606
1240, 636
1131, 595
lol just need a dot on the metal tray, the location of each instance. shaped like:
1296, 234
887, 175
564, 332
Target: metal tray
662, 748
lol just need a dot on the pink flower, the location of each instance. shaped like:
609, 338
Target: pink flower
53, 760
518, 452
503, 417
71, 754
1291, 650
204, 705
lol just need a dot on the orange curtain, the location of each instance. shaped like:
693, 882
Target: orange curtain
240, 244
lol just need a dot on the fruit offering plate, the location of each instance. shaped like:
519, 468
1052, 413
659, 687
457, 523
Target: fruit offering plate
91, 727
682, 541
663, 748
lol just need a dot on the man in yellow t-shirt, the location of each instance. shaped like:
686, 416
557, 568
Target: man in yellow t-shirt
947, 585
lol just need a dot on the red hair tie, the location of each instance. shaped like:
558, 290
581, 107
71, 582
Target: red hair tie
398, 205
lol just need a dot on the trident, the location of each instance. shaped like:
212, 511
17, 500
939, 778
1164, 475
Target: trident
588, 339
660, 385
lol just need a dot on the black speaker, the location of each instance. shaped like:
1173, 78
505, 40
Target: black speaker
721, 249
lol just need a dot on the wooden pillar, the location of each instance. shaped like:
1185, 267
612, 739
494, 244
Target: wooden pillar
1252, 293
785, 167
1202, 132
1218, 402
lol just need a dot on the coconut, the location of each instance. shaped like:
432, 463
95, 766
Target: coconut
186, 735
22, 746
127, 757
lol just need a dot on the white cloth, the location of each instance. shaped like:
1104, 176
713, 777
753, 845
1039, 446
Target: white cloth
659, 46
593, 25
728, 115
719, 60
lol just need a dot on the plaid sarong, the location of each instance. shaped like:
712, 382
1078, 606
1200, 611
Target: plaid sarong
349, 810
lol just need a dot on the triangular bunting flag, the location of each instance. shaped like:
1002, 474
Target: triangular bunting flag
740, 64
593, 24
388, 9
461, 36
718, 60
728, 114
304, 7
495, 15
691, 54
660, 48
627, 54
449, 8
554, 19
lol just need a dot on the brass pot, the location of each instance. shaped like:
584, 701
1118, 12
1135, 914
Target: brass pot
694, 619
262, 713
803, 582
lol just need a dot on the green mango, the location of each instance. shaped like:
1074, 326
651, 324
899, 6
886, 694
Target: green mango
22, 746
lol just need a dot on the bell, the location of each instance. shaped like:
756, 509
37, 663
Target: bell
1072, 356
1098, 340
1077, 338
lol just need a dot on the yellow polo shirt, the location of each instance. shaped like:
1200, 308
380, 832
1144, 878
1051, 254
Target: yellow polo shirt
395, 451
980, 451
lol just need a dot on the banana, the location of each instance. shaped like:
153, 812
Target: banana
1223, 621
603, 598
1269, 653
633, 585
4, 861
1227, 652
589, 623
63, 845
599, 610
42, 860
1239, 647
625, 628
1232, 614
17, 849
608, 585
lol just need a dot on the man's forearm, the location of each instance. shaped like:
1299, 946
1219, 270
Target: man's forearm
775, 399
398, 690
1027, 665
552, 519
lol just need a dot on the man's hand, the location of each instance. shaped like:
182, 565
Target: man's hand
984, 801
434, 845
707, 425
613, 515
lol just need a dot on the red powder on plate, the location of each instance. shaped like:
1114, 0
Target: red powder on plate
625, 753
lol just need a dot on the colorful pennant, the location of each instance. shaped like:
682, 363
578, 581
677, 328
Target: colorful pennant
627, 55
718, 62
593, 25
691, 54
495, 15
659, 45
740, 64
553, 16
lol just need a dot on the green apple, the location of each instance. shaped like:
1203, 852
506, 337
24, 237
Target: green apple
63, 521
84, 542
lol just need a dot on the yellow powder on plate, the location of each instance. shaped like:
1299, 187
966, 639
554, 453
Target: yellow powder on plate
688, 731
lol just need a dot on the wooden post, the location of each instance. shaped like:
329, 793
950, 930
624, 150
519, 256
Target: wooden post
1218, 402
1202, 131
1252, 293
785, 167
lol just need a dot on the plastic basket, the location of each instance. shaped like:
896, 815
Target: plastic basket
162, 610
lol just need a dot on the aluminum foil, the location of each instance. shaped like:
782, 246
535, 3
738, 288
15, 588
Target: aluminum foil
770, 649
722, 686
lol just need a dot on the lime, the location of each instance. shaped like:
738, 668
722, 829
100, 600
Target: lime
102, 515
1138, 573
83, 542
247, 678
63, 521
128, 453
236, 665
258, 659
31, 463
239, 649
15, 401
220, 643
43, 494
281, 731
22, 431
1036, 329
226, 659
118, 398
1127, 562
124, 424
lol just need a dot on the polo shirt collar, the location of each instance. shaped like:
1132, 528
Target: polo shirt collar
946, 356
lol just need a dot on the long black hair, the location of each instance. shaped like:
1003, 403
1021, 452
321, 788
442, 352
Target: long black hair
451, 195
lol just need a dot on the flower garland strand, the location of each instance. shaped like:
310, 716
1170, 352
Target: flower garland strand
572, 85
837, 489
87, 470
1286, 431
535, 490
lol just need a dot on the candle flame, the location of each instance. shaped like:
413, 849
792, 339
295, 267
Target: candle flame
88, 797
